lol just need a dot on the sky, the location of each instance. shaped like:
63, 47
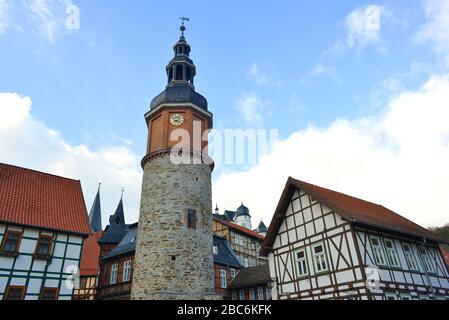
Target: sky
358, 91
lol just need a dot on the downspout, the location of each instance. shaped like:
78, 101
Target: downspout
425, 269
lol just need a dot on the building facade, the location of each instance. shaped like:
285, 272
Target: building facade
43, 223
174, 247
323, 244
252, 284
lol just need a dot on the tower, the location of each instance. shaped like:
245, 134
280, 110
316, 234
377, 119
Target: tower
174, 258
95, 213
243, 217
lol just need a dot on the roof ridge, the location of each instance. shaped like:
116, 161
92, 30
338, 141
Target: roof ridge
37, 171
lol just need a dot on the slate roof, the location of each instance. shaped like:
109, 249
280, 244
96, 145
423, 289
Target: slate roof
89, 264
126, 245
226, 255
445, 253
354, 210
95, 214
42, 200
114, 233
177, 94
239, 228
250, 277
243, 211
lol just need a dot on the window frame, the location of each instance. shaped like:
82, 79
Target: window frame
54, 290
390, 295
192, 225
252, 294
50, 246
7, 291
394, 252
215, 249
5, 239
260, 295
305, 260
223, 279
315, 255
113, 278
381, 251
411, 255
242, 294
126, 271
423, 259
232, 272
405, 295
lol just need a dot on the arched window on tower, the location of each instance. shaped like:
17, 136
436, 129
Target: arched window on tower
189, 75
178, 72
170, 75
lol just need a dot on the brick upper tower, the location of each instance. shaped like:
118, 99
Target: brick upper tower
174, 257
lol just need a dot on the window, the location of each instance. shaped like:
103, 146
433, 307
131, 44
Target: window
127, 271
234, 295
252, 295
11, 242
232, 271
191, 219
390, 296
424, 298
114, 273
428, 265
14, 293
268, 290
301, 260
406, 297
44, 246
410, 257
378, 251
319, 258
242, 294
223, 279
49, 294
260, 293
392, 254
215, 250
246, 262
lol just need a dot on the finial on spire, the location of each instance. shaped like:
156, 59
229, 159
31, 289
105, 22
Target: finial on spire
123, 190
99, 186
183, 28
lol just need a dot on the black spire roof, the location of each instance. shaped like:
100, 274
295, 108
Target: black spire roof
242, 211
181, 72
95, 213
262, 228
117, 227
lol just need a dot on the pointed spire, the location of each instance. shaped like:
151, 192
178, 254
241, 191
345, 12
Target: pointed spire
217, 211
95, 213
119, 216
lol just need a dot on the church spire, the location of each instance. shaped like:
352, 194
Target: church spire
119, 216
95, 212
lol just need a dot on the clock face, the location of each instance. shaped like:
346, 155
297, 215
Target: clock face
176, 119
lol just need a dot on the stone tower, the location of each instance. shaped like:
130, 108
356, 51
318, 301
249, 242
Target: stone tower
174, 257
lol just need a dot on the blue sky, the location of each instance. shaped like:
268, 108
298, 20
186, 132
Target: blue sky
295, 66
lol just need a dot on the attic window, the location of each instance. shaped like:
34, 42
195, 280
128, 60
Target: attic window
191, 219
215, 250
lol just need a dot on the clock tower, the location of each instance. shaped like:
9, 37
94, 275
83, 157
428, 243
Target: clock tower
174, 258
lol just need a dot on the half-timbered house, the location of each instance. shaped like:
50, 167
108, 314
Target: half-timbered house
252, 283
324, 244
43, 222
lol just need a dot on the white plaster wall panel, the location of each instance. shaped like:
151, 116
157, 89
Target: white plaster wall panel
18, 281
23, 262
282, 227
399, 276
298, 218
304, 285
51, 283
301, 232
284, 239
408, 277
385, 275
59, 250
417, 279
31, 298
296, 205
307, 214
352, 248
64, 298
6, 263
31, 233
290, 222
329, 220
66, 287
305, 201
27, 246
39, 265
339, 219
19, 274
292, 235
62, 237
358, 274
333, 232
316, 211
324, 281
319, 225
316, 238
344, 276
289, 209
288, 288
277, 242
75, 239
70, 266
309, 228
55, 265
73, 251
34, 286
3, 283
434, 281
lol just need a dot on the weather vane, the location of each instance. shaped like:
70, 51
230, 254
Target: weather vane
183, 28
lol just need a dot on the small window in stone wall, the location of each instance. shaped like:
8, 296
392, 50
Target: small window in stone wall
191, 219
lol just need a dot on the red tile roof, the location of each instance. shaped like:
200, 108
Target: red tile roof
352, 209
89, 265
239, 228
42, 200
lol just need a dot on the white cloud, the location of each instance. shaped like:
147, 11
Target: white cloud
4, 15
399, 159
24, 141
323, 70
363, 26
436, 29
262, 78
250, 107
